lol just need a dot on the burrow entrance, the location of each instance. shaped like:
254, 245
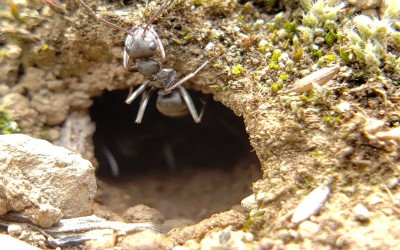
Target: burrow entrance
183, 169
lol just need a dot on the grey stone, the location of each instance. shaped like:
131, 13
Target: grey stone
42, 181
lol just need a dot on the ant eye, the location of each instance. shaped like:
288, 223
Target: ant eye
153, 46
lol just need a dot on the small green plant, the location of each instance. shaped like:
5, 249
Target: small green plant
237, 70
331, 38
7, 124
197, 3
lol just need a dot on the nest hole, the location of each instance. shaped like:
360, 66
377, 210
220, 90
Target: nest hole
183, 169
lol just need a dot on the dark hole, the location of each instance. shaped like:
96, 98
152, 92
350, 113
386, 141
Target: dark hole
170, 155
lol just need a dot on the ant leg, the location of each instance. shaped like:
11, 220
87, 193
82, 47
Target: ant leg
176, 85
159, 44
125, 60
101, 20
137, 92
112, 162
189, 103
143, 104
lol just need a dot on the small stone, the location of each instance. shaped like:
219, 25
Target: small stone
392, 182
14, 243
308, 229
4, 89
311, 204
266, 243
361, 213
365, 4
14, 230
319, 40
54, 106
13, 51
249, 203
372, 13
374, 199
146, 240
101, 239
33, 79
142, 213
15, 101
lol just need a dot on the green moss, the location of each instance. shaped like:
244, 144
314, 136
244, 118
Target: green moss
330, 58
331, 38
275, 87
284, 77
7, 124
290, 28
298, 54
252, 219
273, 65
327, 59
197, 3
332, 120
237, 70
44, 47
317, 53
276, 55
344, 55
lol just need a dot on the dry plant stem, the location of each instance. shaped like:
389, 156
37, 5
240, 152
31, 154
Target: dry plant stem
319, 77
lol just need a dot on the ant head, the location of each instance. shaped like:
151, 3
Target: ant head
138, 46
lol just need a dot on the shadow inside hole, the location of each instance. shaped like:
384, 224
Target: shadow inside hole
163, 144
171, 164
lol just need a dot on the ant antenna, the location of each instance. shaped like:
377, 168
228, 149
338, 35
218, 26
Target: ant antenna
154, 17
101, 20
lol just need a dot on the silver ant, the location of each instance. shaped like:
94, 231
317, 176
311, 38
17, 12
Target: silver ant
141, 44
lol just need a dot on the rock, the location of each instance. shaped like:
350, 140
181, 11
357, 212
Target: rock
33, 79
14, 230
216, 222
42, 181
146, 240
8, 242
308, 229
105, 212
142, 213
15, 101
365, 4
228, 239
54, 106
361, 213
249, 203
76, 134
101, 239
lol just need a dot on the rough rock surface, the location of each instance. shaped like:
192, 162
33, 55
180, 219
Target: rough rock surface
42, 181
216, 222
142, 213
146, 240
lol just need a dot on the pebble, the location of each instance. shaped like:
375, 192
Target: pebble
14, 230
365, 4
361, 213
8, 242
146, 240
311, 204
143, 213
249, 203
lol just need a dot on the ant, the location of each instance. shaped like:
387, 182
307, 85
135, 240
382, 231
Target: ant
141, 44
